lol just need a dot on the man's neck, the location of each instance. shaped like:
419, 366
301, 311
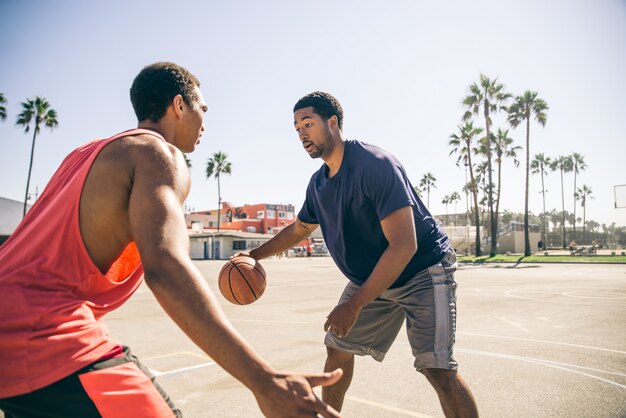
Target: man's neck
334, 159
156, 127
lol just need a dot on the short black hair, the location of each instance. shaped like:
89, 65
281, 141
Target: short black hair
323, 104
156, 85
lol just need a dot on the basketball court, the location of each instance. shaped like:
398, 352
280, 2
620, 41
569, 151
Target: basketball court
533, 341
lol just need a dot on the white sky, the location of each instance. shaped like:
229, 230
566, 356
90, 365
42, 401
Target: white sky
399, 68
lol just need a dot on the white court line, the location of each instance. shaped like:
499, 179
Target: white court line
542, 341
555, 365
175, 372
387, 407
515, 324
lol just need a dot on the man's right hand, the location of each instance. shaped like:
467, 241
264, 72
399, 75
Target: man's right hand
291, 395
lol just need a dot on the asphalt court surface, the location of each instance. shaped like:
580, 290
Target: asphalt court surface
542, 340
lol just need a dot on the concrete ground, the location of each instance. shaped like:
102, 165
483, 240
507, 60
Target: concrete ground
533, 340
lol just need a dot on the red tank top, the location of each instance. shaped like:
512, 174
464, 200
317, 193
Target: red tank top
53, 297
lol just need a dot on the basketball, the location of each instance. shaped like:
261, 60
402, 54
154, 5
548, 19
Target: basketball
242, 280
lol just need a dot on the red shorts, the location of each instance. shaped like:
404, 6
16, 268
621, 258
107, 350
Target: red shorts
110, 387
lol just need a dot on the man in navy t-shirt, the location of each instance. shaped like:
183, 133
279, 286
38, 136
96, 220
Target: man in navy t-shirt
381, 236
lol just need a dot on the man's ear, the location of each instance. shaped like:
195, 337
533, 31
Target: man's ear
177, 104
333, 121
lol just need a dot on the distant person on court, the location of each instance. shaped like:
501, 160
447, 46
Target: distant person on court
399, 263
110, 215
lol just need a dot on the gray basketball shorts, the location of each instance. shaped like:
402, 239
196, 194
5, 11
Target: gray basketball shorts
427, 302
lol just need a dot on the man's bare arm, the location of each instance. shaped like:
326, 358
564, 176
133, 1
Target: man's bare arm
284, 240
160, 186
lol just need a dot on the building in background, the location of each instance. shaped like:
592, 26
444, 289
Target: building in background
10, 216
262, 218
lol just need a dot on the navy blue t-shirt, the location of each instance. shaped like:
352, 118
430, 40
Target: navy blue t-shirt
370, 184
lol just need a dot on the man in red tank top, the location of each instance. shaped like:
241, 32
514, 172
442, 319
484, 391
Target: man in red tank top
111, 216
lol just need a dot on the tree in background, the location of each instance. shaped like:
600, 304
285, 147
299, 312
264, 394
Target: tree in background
578, 165
35, 112
454, 198
564, 164
187, 160
217, 165
428, 181
489, 96
503, 148
525, 107
584, 193
446, 201
539, 164
3, 109
463, 145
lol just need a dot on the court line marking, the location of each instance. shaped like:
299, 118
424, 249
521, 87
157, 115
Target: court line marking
542, 341
387, 407
510, 322
177, 353
181, 370
548, 363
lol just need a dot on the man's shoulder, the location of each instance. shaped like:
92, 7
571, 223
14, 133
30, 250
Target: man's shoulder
368, 157
143, 145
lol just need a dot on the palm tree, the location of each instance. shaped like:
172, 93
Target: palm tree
3, 109
446, 201
584, 193
539, 164
526, 106
578, 165
503, 147
216, 166
187, 160
490, 96
564, 164
428, 181
463, 144
453, 199
35, 111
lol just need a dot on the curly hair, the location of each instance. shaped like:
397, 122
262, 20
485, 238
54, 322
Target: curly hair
156, 85
323, 104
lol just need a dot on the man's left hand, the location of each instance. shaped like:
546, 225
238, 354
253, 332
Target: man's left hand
341, 319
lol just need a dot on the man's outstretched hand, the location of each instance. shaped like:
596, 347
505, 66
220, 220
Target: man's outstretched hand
291, 395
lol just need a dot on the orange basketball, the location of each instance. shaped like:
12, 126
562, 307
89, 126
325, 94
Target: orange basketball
242, 280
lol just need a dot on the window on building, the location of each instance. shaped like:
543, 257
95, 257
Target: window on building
271, 214
282, 215
290, 216
239, 245
260, 214
250, 229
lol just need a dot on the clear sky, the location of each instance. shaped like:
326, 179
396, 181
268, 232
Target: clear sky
400, 68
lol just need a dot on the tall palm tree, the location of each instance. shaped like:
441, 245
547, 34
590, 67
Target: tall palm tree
463, 144
446, 201
525, 107
504, 148
3, 109
584, 193
35, 112
454, 198
539, 164
187, 160
217, 165
428, 181
488, 95
578, 165
564, 164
